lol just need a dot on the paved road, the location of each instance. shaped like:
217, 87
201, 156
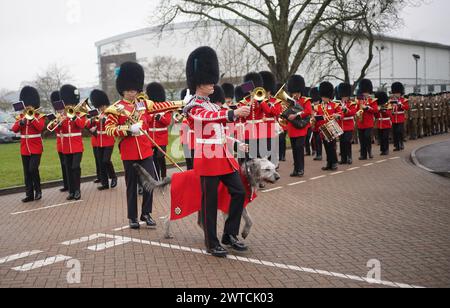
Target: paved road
435, 157
317, 232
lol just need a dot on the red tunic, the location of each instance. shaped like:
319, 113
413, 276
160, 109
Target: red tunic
347, 121
293, 132
31, 135
398, 113
159, 130
256, 125
368, 120
272, 109
72, 133
332, 109
59, 140
212, 156
384, 119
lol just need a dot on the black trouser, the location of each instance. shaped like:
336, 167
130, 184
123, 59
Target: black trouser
97, 163
346, 146
132, 181
330, 148
365, 141
210, 185
106, 166
189, 157
31, 174
160, 162
308, 141
283, 145
63, 170
383, 137
73, 169
318, 143
298, 152
398, 130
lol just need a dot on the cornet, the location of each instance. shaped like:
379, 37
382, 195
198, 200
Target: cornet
30, 113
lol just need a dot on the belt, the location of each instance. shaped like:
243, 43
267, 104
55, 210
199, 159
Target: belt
211, 141
58, 136
270, 120
400, 112
30, 136
255, 121
384, 119
158, 129
101, 133
71, 135
349, 118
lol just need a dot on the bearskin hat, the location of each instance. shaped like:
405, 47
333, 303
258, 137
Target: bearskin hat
365, 86
228, 89
382, 98
239, 94
202, 68
326, 89
269, 81
314, 94
130, 77
256, 78
218, 96
70, 95
183, 93
55, 97
398, 88
344, 90
30, 96
156, 92
99, 99
296, 84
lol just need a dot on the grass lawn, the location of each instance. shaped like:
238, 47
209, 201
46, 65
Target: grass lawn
11, 161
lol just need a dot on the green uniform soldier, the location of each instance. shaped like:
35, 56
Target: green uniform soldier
428, 125
421, 108
413, 119
435, 115
443, 124
447, 102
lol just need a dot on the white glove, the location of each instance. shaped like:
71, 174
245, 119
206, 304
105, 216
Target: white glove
136, 129
187, 99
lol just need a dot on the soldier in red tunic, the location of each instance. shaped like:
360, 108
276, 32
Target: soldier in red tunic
214, 161
105, 143
159, 129
348, 108
128, 119
71, 130
30, 128
384, 123
400, 107
367, 108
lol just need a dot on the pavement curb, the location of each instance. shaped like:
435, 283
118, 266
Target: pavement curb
416, 162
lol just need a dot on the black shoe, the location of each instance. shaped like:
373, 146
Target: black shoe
97, 181
234, 243
318, 158
301, 173
134, 225
350, 161
396, 150
262, 186
363, 158
102, 188
218, 252
38, 196
64, 189
70, 197
28, 199
294, 174
149, 221
334, 167
326, 168
77, 195
343, 162
114, 183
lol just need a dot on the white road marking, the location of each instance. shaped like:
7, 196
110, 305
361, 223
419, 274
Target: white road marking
118, 241
86, 239
368, 165
127, 227
381, 161
393, 158
354, 168
280, 265
18, 256
41, 263
318, 177
336, 173
297, 183
46, 207
273, 189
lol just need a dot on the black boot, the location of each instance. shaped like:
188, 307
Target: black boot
134, 224
148, 220
114, 183
77, 195
38, 196
218, 252
28, 199
234, 243
70, 197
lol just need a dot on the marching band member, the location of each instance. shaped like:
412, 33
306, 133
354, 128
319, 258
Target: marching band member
309, 136
316, 123
384, 123
187, 138
159, 129
105, 143
347, 122
329, 110
128, 120
92, 127
30, 125
400, 106
71, 130
283, 134
367, 107
214, 162
296, 88
56, 97
228, 90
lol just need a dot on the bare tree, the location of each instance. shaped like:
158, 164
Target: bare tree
5, 103
52, 79
169, 71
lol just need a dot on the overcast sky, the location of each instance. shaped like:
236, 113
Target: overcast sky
34, 34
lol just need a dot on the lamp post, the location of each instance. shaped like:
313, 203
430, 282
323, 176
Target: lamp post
380, 49
417, 58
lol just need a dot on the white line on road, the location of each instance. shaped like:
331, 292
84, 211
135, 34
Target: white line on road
127, 227
118, 241
273, 189
381, 161
368, 165
297, 183
318, 177
393, 158
336, 173
41, 263
86, 239
18, 256
354, 168
47, 207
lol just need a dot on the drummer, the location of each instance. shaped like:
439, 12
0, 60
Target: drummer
330, 112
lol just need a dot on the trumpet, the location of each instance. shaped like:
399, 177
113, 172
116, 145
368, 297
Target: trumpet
30, 113
83, 108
